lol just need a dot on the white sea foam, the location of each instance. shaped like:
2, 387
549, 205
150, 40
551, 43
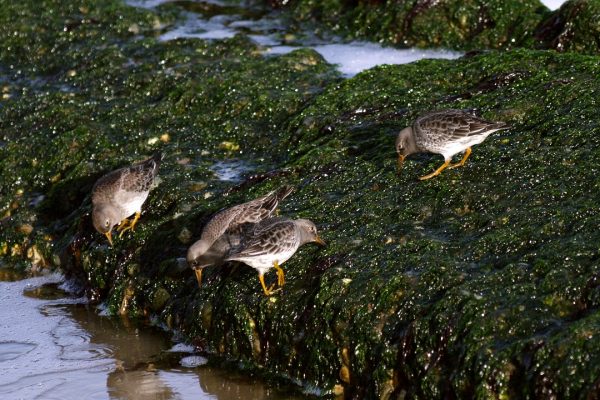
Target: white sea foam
553, 4
182, 348
195, 27
355, 57
193, 361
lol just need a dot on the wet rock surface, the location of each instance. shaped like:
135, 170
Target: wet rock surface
425, 23
464, 25
574, 27
484, 281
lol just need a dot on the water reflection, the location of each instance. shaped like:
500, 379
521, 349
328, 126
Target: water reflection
136, 385
53, 346
11, 275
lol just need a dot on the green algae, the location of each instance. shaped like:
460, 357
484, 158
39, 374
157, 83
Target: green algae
464, 25
482, 282
574, 27
451, 24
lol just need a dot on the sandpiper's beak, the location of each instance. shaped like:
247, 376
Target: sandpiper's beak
109, 237
400, 161
320, 241
198, 273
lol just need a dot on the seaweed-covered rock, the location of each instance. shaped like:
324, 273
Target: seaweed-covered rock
574, 27
482, 282
497, 24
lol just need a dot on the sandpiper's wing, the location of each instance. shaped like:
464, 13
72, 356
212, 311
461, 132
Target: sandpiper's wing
105, 187
139, 177
234, 220
135, 178
270, 237
259, 209
453, 125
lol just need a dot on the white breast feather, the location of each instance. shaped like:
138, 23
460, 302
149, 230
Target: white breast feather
264, 263
131, 202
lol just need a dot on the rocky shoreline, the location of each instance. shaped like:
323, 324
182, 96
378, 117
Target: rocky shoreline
483, 282
456, 24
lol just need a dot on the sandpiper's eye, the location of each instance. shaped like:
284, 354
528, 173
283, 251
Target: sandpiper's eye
107, 223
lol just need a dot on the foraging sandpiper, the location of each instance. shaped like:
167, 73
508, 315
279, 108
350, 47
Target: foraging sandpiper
224, 230
120, 193
271, 243
446, 132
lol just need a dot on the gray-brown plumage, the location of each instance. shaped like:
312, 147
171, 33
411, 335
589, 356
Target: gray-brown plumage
446, 132
271, 243
121, 193
225, 229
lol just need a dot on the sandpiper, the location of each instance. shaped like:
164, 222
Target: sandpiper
271, 243
224, 230
121, 193
446, 132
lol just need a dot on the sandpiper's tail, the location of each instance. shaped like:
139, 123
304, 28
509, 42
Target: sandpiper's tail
272, 199
154, 161
284, 192
499, 126
157, 157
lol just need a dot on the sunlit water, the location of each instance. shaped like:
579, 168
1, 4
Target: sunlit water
268, 32
231, 170
54, 346
553, 4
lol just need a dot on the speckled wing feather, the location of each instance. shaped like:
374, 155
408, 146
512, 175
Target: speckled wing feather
451, 125
261, 208
104, 188
273, 236
234, 220
136, 178
139, 177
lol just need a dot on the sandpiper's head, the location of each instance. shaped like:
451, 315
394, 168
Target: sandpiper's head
104, 218
196, 258
195, 252
405, 145
308, 232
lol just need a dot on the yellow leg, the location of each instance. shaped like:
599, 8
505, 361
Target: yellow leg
198, 273
436, 172
464, 159
268, 291
280, 276
400, 162
135, 220
131, 225
123, 225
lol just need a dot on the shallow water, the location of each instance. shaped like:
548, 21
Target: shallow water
210, 19
55, 346
230, 170
216, 20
